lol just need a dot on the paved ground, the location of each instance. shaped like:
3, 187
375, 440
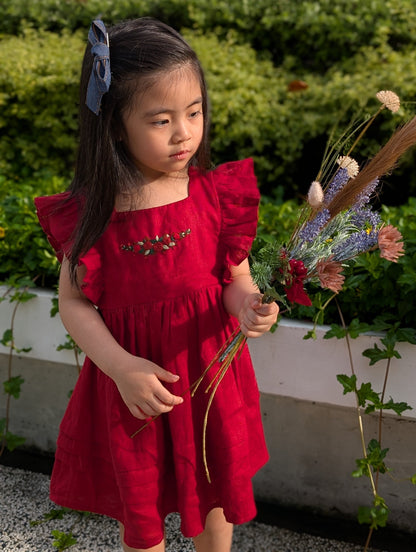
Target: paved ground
24, 499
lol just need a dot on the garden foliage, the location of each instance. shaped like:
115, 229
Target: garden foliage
281, 75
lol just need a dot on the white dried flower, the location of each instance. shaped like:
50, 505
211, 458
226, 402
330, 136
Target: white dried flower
389, 99
346, 162
315, 195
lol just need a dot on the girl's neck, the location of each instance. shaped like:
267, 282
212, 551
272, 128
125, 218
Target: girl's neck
155, 192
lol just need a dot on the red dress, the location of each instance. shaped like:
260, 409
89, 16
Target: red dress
157, 276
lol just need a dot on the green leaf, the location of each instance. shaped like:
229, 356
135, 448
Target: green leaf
22, 296
376, 455
406, 335
349, 383
13, 441
362, 468
375, 460
63, 541
374, 516
413, 479
397, 407
54, 513
311, 334
7, 338
23, 350
12, 386
335, 331
69, 345
356, 328
376, 354
366, 393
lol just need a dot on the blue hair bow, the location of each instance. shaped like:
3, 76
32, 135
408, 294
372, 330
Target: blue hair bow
100, 78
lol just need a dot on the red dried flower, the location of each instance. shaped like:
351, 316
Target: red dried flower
294, 284
390, 242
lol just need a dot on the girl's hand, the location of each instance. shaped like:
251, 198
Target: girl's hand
255, 317
140, 387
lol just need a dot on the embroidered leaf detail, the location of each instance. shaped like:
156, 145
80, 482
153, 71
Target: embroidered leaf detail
149, 246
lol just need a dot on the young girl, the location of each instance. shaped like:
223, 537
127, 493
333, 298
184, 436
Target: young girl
154, 278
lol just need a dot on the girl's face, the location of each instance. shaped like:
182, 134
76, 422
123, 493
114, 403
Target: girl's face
164, 128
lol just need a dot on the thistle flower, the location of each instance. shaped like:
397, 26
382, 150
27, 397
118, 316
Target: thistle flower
346, 162
315, 195
390, 243
329, 274
389, 99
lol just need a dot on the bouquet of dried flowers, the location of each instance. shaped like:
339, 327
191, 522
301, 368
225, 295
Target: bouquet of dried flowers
336, 224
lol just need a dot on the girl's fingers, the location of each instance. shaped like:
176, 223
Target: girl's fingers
266, 309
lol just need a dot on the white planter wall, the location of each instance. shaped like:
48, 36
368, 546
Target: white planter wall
311, 427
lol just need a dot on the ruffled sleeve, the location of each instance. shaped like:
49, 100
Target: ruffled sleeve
239, 198
58, 215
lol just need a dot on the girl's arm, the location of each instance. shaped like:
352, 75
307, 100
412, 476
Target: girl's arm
137, 379
242, 299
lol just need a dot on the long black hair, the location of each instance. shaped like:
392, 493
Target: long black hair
141, 50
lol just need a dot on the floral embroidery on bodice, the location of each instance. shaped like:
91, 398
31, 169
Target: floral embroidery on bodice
158, 244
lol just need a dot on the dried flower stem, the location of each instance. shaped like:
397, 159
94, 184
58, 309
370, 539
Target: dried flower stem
193, 388
384, 161
238, 344
364, 130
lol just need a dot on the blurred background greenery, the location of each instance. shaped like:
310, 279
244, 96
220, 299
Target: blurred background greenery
281, 75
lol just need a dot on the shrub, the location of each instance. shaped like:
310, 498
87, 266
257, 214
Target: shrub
315, 34
56, 15
38, 91
254, 112
24, 250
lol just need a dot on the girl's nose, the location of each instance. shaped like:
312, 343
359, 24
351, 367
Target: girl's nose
182, 133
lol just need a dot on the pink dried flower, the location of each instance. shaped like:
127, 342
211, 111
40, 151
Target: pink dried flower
389, 99
329, 274
390, 242
315, 195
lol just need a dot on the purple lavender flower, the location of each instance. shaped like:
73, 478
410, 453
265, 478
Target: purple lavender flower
314, 226
355, 244
364, 217
337, 183
364, 197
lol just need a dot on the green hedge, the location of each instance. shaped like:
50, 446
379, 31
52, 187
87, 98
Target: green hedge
344, 51
253, 112
38, 102
314, 33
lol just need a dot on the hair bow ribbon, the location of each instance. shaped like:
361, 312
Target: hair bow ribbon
100, 78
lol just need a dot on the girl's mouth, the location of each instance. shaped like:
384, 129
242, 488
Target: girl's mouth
180, 155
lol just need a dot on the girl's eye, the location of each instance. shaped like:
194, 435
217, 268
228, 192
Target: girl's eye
162, 122
195, 114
